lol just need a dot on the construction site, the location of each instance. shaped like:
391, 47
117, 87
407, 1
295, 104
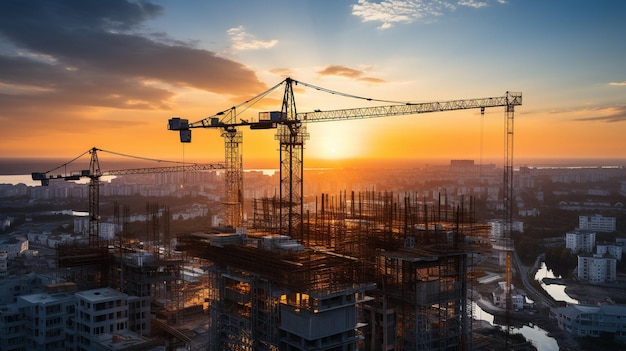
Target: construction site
370, 274
352, 271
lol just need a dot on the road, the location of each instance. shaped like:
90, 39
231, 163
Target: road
538, 296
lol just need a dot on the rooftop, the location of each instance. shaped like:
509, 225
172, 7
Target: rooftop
102, 294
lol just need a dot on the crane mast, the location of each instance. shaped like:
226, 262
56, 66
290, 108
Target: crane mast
508, 202
291, 135
233, 203
94, 198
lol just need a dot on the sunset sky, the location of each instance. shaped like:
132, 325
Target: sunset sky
81, 73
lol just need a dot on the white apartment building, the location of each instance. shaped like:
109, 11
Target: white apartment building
106, 231
497, 228
45, 318
592, 321
86, 320
499, 295
580, 241
99, 311
11, 329
596, 269
597, 223
612, 250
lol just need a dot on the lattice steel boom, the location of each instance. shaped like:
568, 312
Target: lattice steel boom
292, 134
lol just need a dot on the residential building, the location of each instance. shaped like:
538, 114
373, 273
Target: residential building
518, 301
497, 227
45, 319
11, 329
592, 321
580, 241
61, 320
596, 269
4, 263
99, 311
612, 250
597, 223
11, 287
13, 246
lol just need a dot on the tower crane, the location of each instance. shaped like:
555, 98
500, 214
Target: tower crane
94, 173
291, 134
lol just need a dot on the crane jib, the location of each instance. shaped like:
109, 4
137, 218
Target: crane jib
511, 99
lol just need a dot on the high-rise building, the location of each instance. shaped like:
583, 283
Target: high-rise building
87, 320
597, 223
596, 269
580, 241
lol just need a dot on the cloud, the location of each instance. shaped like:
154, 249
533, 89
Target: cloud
93, 53
472, 3
342, 71
389, 12
283, 72
607, 114
243, 40
620, 84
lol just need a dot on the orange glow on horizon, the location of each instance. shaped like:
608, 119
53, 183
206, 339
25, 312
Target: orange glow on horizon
440, 136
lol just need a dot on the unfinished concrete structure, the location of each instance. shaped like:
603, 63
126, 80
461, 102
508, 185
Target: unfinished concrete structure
269, 293
371, 271
374, 271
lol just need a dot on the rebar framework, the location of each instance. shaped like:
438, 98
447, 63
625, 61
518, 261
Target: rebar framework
350, 241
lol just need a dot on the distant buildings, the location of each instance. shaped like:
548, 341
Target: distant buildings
6, 222
497, 228
580, 241
613, 250
597, 223
13, 246
597, 269
499, 296
622, 188
592, 321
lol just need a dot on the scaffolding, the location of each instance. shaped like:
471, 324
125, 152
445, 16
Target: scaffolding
421, 300
428, 290
86, 265
257, 288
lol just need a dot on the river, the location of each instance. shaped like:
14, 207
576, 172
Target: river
557, 291
539, 337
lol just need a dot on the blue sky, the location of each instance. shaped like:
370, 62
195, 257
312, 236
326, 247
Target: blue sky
103, 73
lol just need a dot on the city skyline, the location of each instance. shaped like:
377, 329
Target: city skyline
110, 75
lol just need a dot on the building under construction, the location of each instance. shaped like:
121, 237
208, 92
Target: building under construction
367, 271
166, 289
370, 271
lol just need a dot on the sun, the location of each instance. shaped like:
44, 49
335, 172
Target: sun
334, 142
